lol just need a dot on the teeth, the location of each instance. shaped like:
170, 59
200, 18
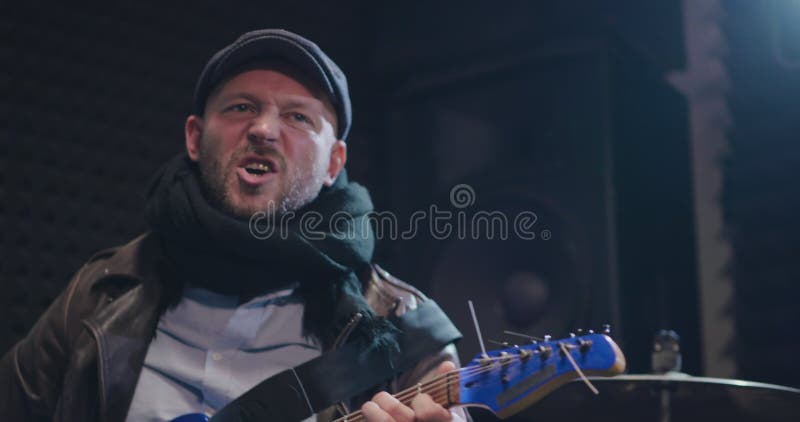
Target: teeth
258, 166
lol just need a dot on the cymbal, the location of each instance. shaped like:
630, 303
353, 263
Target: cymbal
688, 398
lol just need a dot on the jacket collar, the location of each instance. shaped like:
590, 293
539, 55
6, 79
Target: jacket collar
138, 259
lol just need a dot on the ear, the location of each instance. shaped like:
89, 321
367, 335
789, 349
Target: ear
336, 163
193, 132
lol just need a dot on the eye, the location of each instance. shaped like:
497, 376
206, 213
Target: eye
240, 108
299, 117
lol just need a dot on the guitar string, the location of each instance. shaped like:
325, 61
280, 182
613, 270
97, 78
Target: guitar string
578, 370
443, 379
435, 385
465, 372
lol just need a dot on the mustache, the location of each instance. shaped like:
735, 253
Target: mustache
262, 149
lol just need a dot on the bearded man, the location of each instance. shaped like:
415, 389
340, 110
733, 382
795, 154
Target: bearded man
203, 314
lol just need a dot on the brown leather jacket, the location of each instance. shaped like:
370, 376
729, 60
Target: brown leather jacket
82, 359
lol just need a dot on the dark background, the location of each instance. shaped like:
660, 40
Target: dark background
561, 108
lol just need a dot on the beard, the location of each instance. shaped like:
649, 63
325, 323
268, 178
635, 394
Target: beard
223, 190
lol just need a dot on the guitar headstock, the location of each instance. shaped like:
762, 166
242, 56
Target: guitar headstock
508, 380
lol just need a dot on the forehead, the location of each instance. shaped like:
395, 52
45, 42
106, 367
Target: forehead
273, 80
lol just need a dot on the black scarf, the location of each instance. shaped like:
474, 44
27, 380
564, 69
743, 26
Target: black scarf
209, 248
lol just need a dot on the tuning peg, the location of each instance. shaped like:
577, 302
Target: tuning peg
547, 337
524, 354
584, 345
607, 329
591, 331
579, 331
544, 352
571, 335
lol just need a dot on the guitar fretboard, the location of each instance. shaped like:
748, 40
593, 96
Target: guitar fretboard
444, 389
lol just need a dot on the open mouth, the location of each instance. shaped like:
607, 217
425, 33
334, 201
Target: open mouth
258, 169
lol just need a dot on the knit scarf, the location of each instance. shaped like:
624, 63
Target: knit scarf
206, 247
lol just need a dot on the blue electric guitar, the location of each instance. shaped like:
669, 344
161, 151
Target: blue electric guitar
506, 381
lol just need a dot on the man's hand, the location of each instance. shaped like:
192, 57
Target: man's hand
385, 408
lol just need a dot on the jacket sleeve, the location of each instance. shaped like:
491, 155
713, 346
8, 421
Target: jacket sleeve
31, 372
423, 371
387, 294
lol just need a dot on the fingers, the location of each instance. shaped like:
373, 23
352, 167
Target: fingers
445, 367
427, 410
384, 407
373, 413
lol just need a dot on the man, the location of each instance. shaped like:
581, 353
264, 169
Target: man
187, 317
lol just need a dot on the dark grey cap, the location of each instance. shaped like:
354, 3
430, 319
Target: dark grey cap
278, 44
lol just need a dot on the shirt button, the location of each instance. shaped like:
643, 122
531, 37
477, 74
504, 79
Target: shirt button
216, 356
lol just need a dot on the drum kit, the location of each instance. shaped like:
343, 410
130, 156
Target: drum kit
669, 397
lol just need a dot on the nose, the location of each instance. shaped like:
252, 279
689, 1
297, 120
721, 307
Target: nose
265, 127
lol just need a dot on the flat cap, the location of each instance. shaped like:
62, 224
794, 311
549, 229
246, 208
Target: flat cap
266, 44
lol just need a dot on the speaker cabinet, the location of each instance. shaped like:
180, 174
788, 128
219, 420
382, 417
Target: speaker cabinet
593, 142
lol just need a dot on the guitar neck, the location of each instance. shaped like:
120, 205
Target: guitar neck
444, 389
508, 380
